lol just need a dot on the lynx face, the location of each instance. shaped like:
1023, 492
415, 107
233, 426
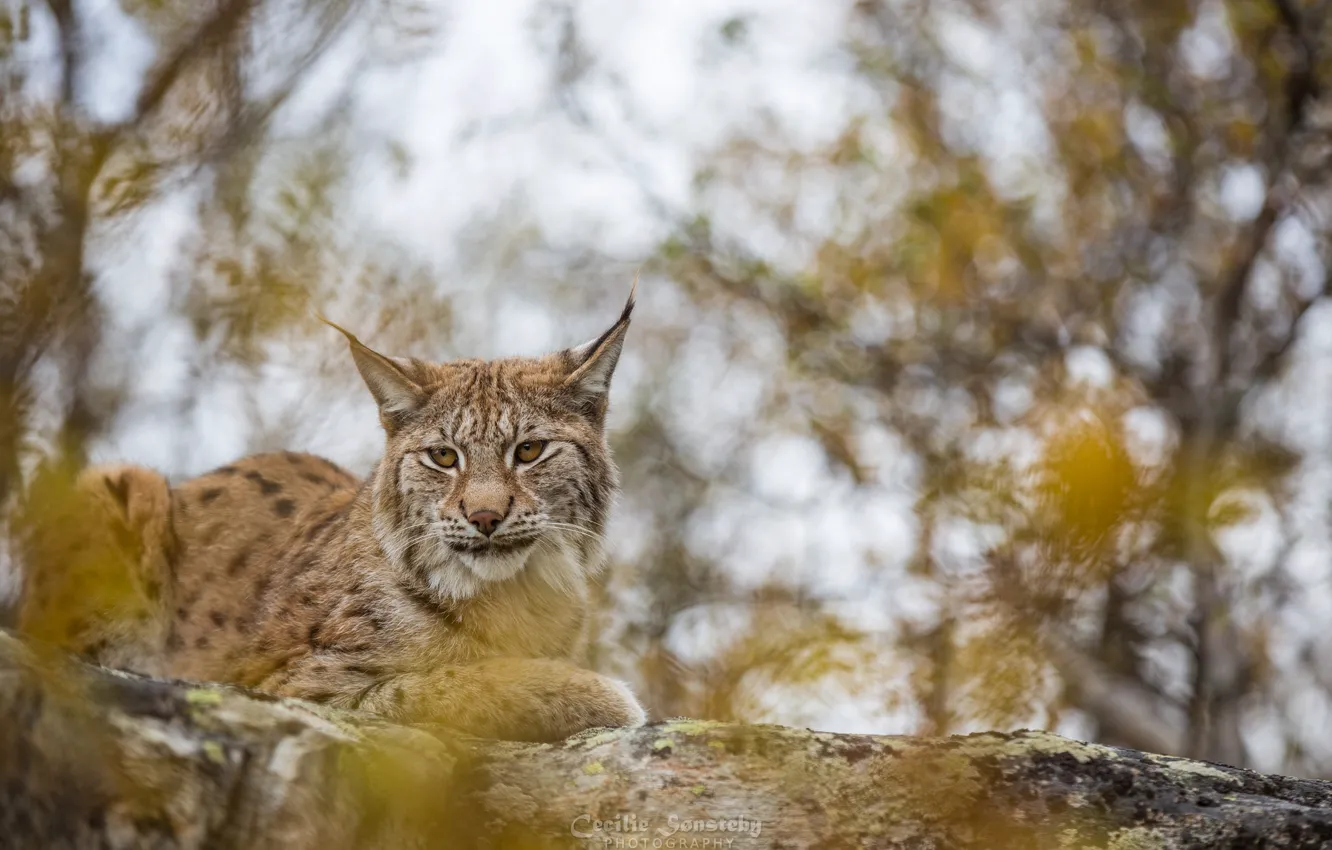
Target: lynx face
493, 467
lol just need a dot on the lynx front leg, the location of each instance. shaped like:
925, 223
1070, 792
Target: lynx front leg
97, 578
517, 699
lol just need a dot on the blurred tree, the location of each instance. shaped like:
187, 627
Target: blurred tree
1075, 333
74, 164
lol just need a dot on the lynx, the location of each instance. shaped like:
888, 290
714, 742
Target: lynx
451, 585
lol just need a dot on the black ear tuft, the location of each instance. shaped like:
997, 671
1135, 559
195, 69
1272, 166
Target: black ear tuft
118, 486
395, 392
593, 362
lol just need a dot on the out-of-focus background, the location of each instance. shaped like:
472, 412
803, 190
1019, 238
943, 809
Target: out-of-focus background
980, 376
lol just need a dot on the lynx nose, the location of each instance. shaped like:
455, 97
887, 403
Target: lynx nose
485, 521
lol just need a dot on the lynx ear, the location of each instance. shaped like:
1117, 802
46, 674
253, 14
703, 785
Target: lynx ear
396, 394
593, 362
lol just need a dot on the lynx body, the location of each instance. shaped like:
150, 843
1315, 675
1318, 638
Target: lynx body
450, 585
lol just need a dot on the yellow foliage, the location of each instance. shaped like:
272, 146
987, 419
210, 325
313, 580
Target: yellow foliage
82, 563
1001, 667
1086, 483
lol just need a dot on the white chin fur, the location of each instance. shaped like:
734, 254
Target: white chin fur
494, 566
464, 574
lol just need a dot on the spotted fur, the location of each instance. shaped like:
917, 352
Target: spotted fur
285, 573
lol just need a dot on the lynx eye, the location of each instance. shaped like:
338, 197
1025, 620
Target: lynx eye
442, 458
529, 451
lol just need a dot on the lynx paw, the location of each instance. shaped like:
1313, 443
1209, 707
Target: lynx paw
514, 699
591, 701
620, 707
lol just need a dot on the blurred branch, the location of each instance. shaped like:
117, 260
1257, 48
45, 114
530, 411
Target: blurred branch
1301, 89
1221, 660
69, 313
939, 646
55, 313
1293, 21
218, 29
1270, 363
70, 317
1119, 702
254, 118
63, 12
215, 31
